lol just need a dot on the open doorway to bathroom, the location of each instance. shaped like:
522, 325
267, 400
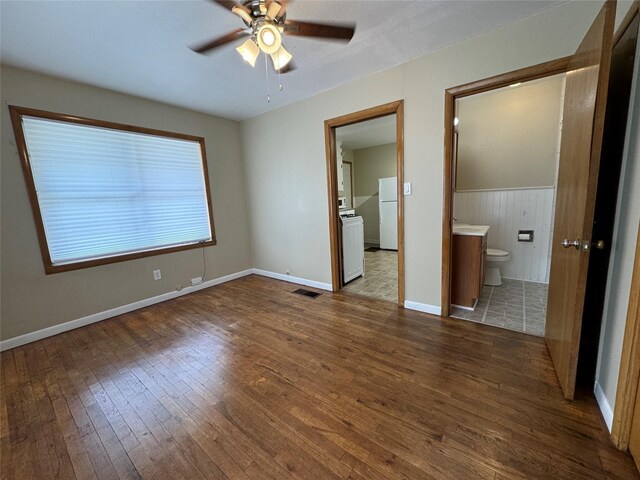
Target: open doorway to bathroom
365, 178
506, 145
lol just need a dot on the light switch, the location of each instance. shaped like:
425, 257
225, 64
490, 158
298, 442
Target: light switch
407, 188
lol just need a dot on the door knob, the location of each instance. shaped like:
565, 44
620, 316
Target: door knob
599, 244
568, 243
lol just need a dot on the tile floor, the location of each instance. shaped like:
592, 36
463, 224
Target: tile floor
380, 278
515, 305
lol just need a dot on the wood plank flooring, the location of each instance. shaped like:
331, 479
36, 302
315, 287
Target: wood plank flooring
247, 380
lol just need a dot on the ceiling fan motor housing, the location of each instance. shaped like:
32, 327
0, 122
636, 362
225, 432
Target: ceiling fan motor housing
258, 9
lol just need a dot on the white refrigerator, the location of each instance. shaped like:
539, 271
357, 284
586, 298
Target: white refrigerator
388, 208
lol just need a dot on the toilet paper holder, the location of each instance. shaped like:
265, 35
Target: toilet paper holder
525, 235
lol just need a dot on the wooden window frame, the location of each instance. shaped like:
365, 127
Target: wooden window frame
16, 120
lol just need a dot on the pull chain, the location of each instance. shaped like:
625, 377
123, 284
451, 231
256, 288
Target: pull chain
266, 74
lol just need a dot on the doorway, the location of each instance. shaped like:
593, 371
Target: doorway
453, 95
587, 80
385, 256
505, 157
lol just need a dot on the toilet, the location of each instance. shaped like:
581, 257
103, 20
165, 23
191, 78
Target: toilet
495, 258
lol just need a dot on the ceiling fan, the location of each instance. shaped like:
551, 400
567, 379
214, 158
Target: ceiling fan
266, 22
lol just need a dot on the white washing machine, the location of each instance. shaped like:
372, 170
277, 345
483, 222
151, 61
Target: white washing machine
352, 245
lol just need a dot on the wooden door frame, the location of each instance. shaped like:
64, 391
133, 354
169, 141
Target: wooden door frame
547, 69
629, 375
330, 127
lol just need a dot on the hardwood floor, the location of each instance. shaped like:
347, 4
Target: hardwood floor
247, 380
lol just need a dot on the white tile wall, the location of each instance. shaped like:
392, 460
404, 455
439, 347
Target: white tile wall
506, 212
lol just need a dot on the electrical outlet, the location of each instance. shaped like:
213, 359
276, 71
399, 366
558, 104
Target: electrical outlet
196, 281
157, 275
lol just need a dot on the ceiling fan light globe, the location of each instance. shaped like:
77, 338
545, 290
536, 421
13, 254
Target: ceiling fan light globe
249, 52
281, 58
269, 39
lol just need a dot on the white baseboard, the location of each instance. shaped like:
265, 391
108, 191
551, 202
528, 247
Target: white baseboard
97, 317
423, 307
603, 403
289, 278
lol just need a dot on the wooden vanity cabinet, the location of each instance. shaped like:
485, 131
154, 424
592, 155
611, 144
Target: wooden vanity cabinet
467, 276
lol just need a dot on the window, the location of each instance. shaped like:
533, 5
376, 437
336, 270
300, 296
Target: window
104, 192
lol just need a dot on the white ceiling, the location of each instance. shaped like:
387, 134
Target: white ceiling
371, 133
140, 46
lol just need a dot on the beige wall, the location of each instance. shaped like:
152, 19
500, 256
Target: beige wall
513, 131
371, 164
302, 246
32, 300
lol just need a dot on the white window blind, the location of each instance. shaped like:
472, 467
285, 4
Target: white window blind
105, 192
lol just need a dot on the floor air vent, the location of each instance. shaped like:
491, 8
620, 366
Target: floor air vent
306, 293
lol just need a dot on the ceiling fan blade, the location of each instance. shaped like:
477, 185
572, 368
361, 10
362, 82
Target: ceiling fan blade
223, 40
229, 4
307, 29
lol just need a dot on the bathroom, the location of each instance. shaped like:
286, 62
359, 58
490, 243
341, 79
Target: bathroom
505, 163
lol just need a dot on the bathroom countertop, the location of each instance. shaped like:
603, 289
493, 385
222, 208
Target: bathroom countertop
465, 229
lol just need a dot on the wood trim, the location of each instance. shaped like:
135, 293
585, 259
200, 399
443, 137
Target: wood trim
628, 378
447, 202
332, 188
526, 74
63, 117
16, 120
400, 174
366, 114
67, 267
330, 127
626, 21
